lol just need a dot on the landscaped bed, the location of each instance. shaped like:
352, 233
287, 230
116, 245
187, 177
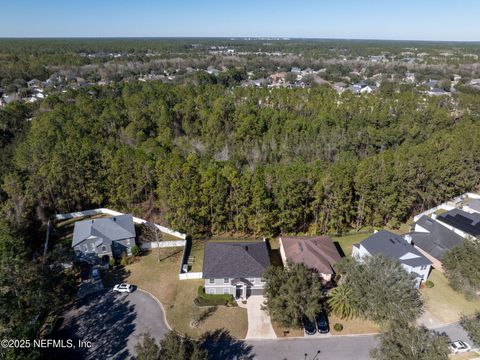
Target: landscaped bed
161, 279
444, 303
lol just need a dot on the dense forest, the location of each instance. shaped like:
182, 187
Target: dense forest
212, 159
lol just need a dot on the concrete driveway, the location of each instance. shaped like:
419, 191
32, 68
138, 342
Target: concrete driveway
112, 322
259, 324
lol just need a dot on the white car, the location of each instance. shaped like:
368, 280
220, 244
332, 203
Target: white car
121, 288
459, 347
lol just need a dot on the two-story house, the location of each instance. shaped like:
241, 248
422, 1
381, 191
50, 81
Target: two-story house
104, 237
235, 268
395, 247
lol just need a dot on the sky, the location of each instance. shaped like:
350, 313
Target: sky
446, 20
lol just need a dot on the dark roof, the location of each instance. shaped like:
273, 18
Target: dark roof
109, 229
235, 259
394, 246
316, 252
461, 220
437, 241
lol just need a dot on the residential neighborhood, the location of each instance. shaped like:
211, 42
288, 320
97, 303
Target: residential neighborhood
223, 180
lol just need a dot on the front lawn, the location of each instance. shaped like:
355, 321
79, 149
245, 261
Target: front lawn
346, 242
353, 326
444, 303
161, 279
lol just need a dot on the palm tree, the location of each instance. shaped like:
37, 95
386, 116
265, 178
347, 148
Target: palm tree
340, 302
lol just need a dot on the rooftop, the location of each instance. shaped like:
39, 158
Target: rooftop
109, 229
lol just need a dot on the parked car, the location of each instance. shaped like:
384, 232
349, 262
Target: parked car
121, 288
459, 347
309, 326
322, 323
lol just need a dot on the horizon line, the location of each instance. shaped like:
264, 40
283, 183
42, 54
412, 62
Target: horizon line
278, 38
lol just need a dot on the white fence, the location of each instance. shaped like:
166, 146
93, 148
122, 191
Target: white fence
163, 244
116, 213
448, 205
191, 275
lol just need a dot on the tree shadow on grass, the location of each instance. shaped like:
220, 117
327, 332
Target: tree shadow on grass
106, 320
221, 345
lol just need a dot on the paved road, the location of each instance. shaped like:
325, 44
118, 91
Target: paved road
112, 322
338, 347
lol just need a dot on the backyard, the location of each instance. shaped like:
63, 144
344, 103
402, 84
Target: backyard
444, 303
346, 242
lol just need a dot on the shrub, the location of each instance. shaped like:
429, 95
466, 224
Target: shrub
111, 262
429, 284
135, 250
338, 327
204, 299
123, 260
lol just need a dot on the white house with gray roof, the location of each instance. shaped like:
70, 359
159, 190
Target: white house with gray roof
395, 247
104, 237
235, 268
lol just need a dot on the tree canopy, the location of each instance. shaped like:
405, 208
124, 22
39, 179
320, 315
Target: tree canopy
292, 293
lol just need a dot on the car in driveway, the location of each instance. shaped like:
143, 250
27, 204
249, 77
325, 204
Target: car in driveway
459, 346
309, 326
123, 288
322, 323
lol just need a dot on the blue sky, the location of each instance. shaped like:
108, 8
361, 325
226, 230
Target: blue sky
352, 19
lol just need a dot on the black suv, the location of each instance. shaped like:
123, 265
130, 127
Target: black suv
309, 326
322, 323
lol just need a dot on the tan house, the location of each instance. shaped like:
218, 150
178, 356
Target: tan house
317, 252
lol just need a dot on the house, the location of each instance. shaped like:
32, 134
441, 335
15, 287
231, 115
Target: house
433, 240
461, 222
368, 89
235, 268
395, 247
104, 237
318, 253
472, 206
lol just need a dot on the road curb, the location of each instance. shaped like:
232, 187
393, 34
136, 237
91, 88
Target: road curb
161, 306
317, 337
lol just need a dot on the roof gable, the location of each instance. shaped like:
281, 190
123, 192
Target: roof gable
109, 229
235, 259
395, 247
316, 252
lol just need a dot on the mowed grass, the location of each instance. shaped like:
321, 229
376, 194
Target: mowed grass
346, 242
353, 326
161, 279
444, 303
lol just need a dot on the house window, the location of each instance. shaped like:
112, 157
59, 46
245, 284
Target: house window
210, 291
85, 247
104, 248
423, 267
226, 280
128, 242
226, 290
211, 281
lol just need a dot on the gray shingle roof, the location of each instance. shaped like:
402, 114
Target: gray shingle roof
474, 204
235, 259
109, 229
437, 241
461, 220
394, 246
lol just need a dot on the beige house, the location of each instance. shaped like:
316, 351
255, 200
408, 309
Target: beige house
317, 252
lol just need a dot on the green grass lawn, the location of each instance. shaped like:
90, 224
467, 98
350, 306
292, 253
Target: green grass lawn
444, 303
161, 279
346, 242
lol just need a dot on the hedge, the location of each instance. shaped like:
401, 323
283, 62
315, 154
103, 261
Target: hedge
204, 299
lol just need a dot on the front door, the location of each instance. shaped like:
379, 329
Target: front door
238, 291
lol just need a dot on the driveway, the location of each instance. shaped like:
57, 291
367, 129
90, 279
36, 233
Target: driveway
112, 322
259, 324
